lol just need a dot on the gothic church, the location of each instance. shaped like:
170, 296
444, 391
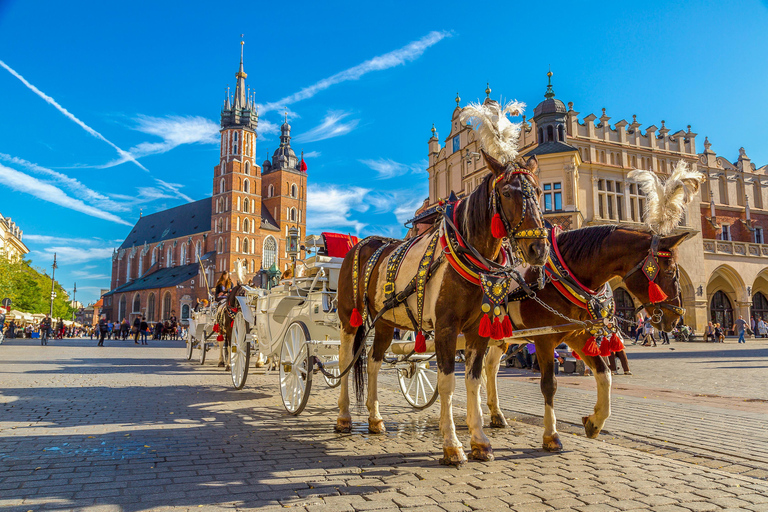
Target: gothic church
155, 272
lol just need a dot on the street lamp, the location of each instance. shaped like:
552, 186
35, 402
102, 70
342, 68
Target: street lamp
53, 292
74, 302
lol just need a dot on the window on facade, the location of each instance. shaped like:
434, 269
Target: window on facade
245, 245
128, 268
720, 310
185, 311
220, 246
245, 186
550, 133
169, 257
198, 250
151, 308
561, 133
757, 194
166, 306
183, 255
740, 192
759, 236
141, 265
247, 167
121, 308
293, 214
136, 303
269, 255
154, 255
294, 191
245, 225
456, 143
723, 190
725, 232
541, 135
235, 136
237, 245
553, 197
610, 199
246, 206
270, 191
636, 203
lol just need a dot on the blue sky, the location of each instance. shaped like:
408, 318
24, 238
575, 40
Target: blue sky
143, 83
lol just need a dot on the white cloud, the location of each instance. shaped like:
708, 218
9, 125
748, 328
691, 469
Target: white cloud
174, 130
405, 211
74, 255
75, 186
387, 168
47, 239
45, 191
407, 53
88, 276
330, 207
51, 101
332, 126
312, 154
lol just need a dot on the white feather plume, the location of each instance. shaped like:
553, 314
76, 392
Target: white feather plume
240, 271
666, 199
498, 135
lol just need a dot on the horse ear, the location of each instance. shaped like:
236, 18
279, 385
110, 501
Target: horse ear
671, 242
497, 168
532, 164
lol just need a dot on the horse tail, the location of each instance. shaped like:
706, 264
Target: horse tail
360, 364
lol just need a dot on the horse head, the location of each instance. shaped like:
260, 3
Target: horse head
515, 194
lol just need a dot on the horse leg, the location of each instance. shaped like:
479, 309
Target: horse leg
492, 362
344, 420
453, 452
548, 389
381, 341
473, 373
221, 353
594, 423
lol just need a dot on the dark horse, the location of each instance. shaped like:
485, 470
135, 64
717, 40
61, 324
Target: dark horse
450, 304
594, 256
225, 316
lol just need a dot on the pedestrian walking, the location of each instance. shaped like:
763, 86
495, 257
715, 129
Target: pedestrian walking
144, 327
135, 329
740, 327
664, 337
648, 333
622, 355
103, 329
45, 329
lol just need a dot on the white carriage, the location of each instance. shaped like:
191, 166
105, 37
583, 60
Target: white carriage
295, 324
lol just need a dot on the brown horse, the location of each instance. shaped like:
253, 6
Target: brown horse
594, 256
225, 315
450, 303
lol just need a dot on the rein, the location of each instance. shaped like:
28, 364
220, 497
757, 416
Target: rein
504, 230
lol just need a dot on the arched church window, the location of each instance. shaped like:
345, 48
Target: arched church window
247, 167
561, 133
151, 308
221, 186
235, 136
169, 257
198, 250
246, 205
293, 214
136, 304
141, 265
245, 186
220, 246
154, 255
237, 245
294, 190
128, 268
541, 135
245, 245
270, 191
183, 256
269, 253
245, 225
550, 133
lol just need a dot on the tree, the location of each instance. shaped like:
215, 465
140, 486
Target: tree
30, 289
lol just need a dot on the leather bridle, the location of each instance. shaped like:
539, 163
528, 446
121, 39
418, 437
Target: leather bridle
514, 233
652, 259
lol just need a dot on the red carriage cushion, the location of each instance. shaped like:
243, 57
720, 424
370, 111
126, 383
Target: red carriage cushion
338, 245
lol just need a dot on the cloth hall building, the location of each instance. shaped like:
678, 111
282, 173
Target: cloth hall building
583, 164
155, 271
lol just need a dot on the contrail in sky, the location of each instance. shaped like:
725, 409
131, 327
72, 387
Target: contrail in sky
64, 111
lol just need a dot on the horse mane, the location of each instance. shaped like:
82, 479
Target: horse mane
584, 243
475, 214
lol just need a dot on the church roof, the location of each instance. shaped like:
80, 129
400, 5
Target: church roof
163, 278
550, 148
185, 220
267, 220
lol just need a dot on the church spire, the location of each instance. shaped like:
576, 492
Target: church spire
241, 76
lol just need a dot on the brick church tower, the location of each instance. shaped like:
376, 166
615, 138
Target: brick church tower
284, 188
236, 215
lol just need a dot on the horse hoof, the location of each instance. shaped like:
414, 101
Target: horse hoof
482, 453
376, 427
498, 421
227, 368
552, 443
591, 430
221, 365
453, 457
258, 365
343, 426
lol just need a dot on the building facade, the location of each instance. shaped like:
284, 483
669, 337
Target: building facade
583, 164
156, 270
11, 244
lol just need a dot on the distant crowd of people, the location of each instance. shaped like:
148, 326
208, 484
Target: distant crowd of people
140, 330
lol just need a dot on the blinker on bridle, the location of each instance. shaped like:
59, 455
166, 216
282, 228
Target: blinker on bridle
500, 226
650, 267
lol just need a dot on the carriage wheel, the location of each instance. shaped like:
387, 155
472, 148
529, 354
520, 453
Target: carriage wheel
239, 351
295, 368
202, 345
190, 345
334, 370
418, 383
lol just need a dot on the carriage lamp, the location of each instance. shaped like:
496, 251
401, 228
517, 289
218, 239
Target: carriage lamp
293, 242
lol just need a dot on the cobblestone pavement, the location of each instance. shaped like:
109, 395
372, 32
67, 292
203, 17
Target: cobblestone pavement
139, 428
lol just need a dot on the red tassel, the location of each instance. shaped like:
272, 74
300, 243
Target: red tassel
497, 227
616, 344
356, 319
506, 326
215, 327
574, 354
219, 338
591, 348
497, 333
421, 343
605, 346
655, 293
485, 327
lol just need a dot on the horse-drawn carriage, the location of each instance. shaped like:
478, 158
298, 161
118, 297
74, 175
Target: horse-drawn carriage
294, 327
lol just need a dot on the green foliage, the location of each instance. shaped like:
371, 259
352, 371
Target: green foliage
30, 289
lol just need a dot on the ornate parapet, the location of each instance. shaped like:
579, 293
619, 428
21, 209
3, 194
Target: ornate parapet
746, 249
